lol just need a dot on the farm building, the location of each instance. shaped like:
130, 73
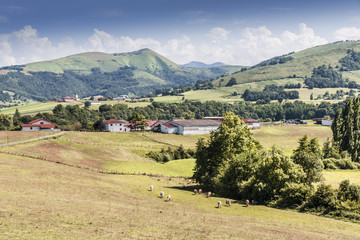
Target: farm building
188, 127
251, 123
114, 125
39, 125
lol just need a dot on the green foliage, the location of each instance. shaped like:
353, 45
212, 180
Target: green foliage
346, 128
231, 82
324, 199
351, 61
326, 77
292, 195
213, 154
169, 154
272, 92
308, 155
272, 173
6, 122
343, 163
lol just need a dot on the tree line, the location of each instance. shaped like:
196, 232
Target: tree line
74, 117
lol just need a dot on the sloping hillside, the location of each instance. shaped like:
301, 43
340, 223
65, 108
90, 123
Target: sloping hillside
93, 73
299, 64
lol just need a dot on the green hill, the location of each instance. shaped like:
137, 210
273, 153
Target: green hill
301, 64
93, 73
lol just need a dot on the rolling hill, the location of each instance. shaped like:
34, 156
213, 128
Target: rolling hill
92, 73
297, 65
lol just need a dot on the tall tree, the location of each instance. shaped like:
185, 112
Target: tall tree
213, 154
308, 155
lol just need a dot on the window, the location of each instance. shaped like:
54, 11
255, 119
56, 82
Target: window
41, 122
120, 129
30, 128
111, 124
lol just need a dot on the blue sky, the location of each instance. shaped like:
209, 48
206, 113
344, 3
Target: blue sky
234, 32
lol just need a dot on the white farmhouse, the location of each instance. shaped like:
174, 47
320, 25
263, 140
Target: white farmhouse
189, 127
39, 125
114, 125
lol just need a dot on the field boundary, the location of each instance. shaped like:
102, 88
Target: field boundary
88, 168
158, 141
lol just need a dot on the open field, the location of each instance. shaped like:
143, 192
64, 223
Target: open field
42, 200
35, 108
14, 136
74, 200
286, 136
126, 152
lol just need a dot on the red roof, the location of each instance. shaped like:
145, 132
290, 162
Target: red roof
169, 125
151, 123
37, 120
115, 121
249, 120
42, 126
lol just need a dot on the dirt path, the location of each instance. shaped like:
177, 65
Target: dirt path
32, 140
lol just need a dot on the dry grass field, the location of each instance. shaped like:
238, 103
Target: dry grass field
61, 189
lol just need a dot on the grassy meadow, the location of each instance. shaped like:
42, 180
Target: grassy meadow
35, 108
58, 189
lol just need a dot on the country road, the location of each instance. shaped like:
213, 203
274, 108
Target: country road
32, 140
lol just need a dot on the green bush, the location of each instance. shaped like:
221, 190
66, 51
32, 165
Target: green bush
292, 195
343, 163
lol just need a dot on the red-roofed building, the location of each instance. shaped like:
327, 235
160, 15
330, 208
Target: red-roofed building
114, 125
39, 125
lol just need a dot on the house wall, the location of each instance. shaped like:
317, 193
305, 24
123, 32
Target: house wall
254, 125
165, 129
196, 130
326, 122
116, 127
30, 129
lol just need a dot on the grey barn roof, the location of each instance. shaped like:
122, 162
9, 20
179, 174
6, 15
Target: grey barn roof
195, 122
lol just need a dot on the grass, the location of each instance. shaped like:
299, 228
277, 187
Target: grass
42, 200
286, 136
334, 177
14, 136
35, 108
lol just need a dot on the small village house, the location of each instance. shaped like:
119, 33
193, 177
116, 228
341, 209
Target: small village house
39, 125
113, 125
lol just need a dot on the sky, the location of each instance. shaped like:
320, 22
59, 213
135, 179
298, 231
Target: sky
230, 31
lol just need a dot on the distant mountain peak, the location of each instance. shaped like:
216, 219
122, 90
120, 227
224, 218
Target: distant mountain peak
195, 64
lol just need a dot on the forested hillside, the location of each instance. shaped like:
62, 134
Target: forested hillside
135, 73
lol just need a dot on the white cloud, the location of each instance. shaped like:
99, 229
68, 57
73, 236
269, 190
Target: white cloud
26, 46
105, 42
218, 34
219, 44
347, 33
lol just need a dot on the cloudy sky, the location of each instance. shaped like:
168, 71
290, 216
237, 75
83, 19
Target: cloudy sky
229, 31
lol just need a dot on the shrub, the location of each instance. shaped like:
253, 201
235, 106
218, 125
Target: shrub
292, 195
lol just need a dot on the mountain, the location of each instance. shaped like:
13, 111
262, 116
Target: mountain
195, 64
92, 73
297, 65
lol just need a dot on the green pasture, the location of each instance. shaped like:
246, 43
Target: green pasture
35, 108
44, 200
